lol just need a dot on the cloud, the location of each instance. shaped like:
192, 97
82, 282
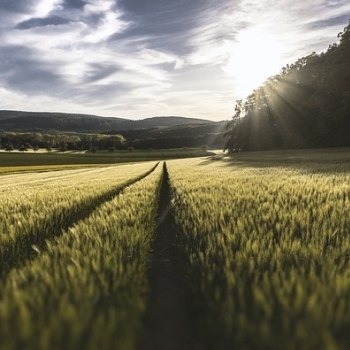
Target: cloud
73, 4
45, 7
99, 71
18, 6
135, 58
42, 22
21, 70
165, 26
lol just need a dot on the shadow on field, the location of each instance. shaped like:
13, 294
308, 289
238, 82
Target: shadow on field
167, 325
327, 161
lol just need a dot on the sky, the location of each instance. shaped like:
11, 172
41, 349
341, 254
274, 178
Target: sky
141, 58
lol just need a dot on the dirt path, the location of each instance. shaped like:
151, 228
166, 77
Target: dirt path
167, 323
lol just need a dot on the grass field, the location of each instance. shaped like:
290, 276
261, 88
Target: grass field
57, 160
261, 242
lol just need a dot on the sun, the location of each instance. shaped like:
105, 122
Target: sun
255, 55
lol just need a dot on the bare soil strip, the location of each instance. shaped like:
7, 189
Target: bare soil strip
167, 323
16, 253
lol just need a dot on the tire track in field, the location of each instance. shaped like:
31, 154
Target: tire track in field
167, 325
16, 253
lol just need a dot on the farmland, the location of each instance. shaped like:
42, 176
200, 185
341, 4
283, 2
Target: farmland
42, 160
86, 288
261, 242
265, 250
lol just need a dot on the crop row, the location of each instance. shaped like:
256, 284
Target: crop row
88, 289
36, 207
266, 254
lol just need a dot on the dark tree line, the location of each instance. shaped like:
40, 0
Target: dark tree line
157, 140
212, 140
307, 105
180, 136
35, 140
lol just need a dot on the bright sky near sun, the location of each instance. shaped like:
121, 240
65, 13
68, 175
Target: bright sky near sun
141, 58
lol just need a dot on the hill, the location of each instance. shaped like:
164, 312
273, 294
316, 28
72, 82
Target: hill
185, 135
88, 131
39, 121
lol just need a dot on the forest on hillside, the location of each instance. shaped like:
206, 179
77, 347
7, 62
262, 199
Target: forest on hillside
306, 105
179, 136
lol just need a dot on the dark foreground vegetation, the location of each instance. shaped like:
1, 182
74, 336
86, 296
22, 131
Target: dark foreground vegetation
307, 105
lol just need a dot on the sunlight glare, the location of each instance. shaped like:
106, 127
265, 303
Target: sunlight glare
254, 56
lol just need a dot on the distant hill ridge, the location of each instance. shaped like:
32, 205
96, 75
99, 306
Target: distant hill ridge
43, 121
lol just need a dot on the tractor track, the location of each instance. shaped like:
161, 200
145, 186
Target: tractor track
167, 325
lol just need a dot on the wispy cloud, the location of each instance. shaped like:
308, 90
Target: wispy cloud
252, 37
135, 58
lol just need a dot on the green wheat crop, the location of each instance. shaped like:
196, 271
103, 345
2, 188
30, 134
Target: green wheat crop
266, 254
88, 289
37, 206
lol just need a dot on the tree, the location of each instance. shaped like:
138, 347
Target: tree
9, 147
63, 147
115, 141
233, 133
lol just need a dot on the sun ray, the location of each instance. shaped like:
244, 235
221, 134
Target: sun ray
254, 56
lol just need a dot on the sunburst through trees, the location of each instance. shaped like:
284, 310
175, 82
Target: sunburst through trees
306, 105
